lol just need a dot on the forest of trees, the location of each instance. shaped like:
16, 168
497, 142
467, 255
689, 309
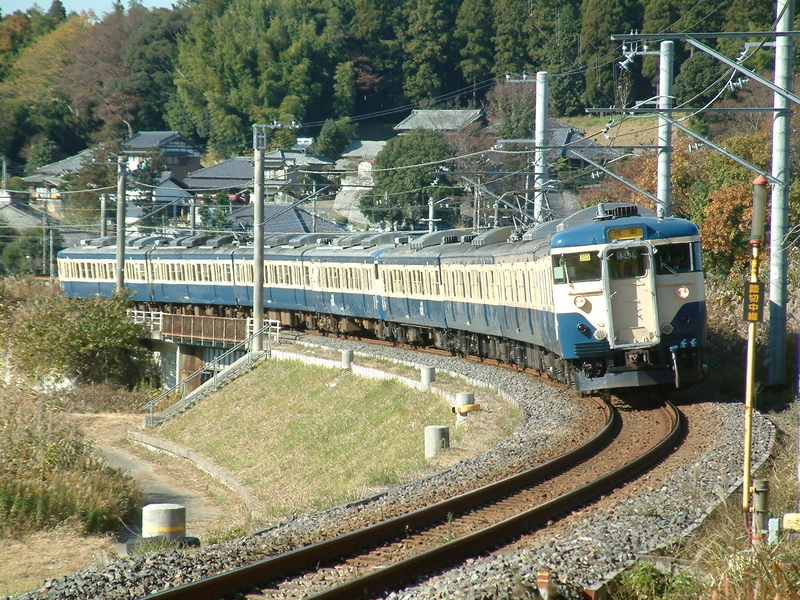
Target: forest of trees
211, 68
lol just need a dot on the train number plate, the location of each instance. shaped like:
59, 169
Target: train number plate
629, 233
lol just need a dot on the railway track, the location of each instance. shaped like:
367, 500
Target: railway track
383, 556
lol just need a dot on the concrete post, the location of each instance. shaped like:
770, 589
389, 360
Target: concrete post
347, 359
103, 215
779, 221
427, 375
463, 398
540, 154
122, 174
164, 520
760, 509
259, 147
437, 437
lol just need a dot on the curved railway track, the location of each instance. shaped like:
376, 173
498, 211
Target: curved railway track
363, 563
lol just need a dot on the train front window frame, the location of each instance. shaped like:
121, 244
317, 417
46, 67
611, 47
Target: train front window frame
672, 259
628, 262
576, 267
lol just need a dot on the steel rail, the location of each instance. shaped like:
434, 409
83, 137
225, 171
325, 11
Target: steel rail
277, 567
367, 586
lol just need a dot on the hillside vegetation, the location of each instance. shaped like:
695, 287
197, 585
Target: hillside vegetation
212, 68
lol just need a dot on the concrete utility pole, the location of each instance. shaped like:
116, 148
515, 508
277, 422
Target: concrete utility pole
779, 224
665, 101
259, 147
103, 215
540, 154
122, 175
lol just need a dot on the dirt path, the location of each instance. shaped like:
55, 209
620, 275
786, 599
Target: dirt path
211, 509
210, 506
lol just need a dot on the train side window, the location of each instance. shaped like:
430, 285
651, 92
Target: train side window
672, 259
627, 262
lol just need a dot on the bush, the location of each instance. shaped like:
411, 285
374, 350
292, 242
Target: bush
50, 474
91, 340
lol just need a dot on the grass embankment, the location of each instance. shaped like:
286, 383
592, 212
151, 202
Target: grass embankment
304, 437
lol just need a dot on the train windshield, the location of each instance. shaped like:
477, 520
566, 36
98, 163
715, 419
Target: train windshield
580, 266
627, 262
672, 259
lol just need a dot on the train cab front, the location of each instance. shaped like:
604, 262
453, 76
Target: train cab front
625, 317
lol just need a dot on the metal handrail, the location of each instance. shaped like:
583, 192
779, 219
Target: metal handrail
271, 330
152, 319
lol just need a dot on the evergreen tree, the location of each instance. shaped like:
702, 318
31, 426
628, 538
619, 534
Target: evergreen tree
553, 45
509, 36
42, 151
473, 36
405, 187
746, 15
601, 20
375, 26
344, 90
427, 45
661, 16
334, 137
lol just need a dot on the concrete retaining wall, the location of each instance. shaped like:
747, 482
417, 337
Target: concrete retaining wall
200, 461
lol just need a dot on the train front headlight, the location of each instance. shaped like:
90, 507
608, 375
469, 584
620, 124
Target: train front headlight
667, 328
599, 334
682, 292
579, 301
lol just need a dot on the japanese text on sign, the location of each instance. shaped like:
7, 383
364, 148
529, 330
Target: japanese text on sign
753, 302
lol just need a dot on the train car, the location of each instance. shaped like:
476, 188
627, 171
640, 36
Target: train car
610, 297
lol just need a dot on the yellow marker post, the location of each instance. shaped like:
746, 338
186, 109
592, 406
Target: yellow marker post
752, 317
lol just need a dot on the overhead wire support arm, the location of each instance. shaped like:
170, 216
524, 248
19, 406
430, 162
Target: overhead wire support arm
692, 39
634, 187
722, 150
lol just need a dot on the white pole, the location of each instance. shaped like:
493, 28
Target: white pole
121, 183
259, 146
540, 154
781, 130
664, 193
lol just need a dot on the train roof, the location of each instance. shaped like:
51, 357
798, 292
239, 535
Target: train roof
594, 225
604, 223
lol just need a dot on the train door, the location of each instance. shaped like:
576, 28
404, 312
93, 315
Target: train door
633, 312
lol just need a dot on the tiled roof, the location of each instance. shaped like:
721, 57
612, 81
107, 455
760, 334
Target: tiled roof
363, 149
169, 190
72, 164
235, 172
439, 120
144, 140
298, 157
19, 218
280, 217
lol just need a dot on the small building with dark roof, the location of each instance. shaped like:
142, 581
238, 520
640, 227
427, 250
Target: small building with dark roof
445, 121
283, 217
181, 154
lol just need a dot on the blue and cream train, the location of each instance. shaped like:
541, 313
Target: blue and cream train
610, 297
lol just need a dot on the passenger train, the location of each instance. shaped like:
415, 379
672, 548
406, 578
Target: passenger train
609, 297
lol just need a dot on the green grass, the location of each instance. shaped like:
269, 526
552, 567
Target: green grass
305, 437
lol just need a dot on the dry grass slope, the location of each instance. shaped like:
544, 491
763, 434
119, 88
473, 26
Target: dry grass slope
304, 437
